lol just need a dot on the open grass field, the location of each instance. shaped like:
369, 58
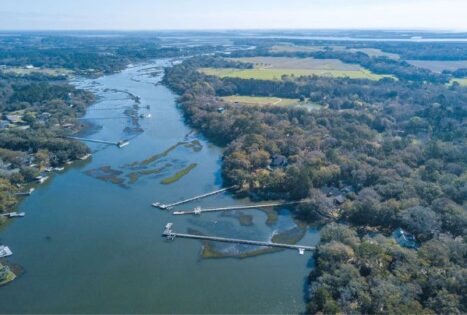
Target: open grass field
439, 65
45, 71
257, 100
273, 68
299, 63
276, 74
462, 82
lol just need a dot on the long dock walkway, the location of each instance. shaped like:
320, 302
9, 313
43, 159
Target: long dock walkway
171, 205
103, 118
119, 144
199, 210
169, 234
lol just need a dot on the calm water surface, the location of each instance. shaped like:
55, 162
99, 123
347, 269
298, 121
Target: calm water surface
92, 246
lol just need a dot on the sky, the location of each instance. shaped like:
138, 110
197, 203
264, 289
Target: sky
232, 14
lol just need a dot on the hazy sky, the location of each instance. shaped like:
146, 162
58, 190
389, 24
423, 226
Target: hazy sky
232, 14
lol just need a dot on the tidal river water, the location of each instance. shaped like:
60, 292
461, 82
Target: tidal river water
91, 242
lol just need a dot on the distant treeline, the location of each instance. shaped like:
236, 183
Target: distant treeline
88, 55
406, 50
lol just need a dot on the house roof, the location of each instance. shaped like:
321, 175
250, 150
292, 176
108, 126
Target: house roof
278, 160
339, 198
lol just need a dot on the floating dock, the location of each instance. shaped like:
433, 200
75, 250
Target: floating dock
169, 234
169, 206
199, 210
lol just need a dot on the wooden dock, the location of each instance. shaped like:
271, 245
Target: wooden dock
200, 210
169, 234
171, 205
13, 214
104, 118
119, 144
25, 193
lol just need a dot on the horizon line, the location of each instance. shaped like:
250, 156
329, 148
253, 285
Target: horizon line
399, 29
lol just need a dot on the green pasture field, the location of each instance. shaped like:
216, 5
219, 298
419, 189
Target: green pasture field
274, 68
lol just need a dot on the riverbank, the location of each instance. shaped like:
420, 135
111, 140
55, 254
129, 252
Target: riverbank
33, 139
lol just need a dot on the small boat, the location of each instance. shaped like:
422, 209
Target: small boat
41, 179
148, 116
60, 168
5, 251
159, 205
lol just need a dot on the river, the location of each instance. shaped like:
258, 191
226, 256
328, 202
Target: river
91, 242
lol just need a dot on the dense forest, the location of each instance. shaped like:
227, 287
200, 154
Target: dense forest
398, 144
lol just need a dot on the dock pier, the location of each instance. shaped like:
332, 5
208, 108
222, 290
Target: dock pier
199, 210
119, 144
171, 205
170, 235
13, 214
25, 193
